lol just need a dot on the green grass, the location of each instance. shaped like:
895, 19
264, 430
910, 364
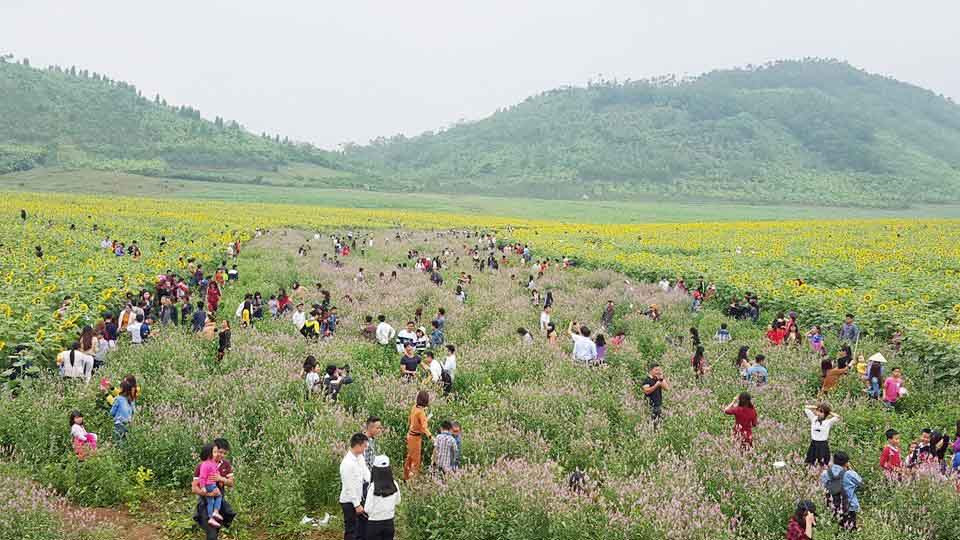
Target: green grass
122, 184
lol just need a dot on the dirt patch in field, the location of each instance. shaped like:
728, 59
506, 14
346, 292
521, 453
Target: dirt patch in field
123, 525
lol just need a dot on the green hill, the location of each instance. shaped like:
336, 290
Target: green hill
811, 131
70, 118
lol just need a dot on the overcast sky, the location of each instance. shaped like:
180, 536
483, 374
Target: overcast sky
335, 71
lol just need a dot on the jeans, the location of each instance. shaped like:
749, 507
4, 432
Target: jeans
349, 521
874, 391
119, 432
213, 503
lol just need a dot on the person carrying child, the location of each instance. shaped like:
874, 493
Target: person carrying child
209, 471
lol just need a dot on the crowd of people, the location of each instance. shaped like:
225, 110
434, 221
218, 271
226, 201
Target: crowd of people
369, 493
839, 480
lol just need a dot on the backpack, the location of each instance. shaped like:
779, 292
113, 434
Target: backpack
835, 483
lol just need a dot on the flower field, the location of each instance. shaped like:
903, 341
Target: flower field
530, 415
892, 274
69, 231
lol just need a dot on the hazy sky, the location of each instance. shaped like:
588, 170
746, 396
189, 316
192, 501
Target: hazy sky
335, 71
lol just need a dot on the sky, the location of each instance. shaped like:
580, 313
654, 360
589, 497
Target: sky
334, 72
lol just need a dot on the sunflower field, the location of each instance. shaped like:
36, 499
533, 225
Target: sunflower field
892, 274
68, 231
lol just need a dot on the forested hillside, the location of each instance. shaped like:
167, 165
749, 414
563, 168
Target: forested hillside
810, 131
75, 118
815, 131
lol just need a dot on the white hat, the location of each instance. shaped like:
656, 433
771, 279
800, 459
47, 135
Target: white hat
381, 461
878, 358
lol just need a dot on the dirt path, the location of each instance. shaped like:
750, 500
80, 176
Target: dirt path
124, 525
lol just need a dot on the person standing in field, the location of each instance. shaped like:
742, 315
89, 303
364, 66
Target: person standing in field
893, 388
444, 450
653, 387
384, 333
821, 420
833, 375
372, 428
849, 331
841, 483
299, 318
418, 429
606, 318
699, 362
383, 495
123, 408
199, 318
745, 419
584, 349
545, 319
224, 479
213, 296
407, 335
354, 475
223, 344
409, 363
890, 460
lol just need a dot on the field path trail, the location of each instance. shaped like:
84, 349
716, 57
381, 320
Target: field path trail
124, 525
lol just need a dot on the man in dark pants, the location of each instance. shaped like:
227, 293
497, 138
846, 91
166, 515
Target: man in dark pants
354, 474
653, 387
224, 479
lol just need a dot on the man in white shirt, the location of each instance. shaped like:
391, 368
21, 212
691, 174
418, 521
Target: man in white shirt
134, 329
299, 317
665, 285
584, 349
545, 319
354, 475
434, 366
450, 362
407, 335
385, 333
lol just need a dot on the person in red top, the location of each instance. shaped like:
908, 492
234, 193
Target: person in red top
890, 457
776, 334
745, 416
283, 301
213, 296
801, 523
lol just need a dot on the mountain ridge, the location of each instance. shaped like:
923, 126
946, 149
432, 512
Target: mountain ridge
728, 134
811, 131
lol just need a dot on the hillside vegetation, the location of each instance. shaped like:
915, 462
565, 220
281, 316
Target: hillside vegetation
77, 119
798, 131
810, 131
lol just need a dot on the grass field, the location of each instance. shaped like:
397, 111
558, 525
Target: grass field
530, 417
121, 184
